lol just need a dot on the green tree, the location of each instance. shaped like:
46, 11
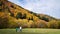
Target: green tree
24, 16
0, 6
46, 19
19, 15
1, 3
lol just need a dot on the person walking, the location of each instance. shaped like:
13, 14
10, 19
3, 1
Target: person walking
20, 28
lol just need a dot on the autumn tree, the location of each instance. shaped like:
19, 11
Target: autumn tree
3, 20
58, 24
12, 22
41, 24
30, 18
53, 24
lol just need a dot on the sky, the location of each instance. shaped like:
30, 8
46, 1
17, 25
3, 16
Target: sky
49, 7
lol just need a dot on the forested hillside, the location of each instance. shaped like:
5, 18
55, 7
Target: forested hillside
12, 16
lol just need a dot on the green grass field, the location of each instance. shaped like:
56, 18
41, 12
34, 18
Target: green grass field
30, 31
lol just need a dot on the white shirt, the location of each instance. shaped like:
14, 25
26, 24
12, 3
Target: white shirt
20, 27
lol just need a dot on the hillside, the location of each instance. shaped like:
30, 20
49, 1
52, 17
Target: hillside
12, 15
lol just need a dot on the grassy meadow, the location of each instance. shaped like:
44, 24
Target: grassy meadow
30, 31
